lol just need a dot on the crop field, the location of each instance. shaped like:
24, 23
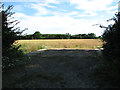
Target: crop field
33, 45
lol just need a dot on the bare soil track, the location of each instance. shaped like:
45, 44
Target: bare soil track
55, 69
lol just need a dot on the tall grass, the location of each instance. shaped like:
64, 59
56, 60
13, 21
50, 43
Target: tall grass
33, 45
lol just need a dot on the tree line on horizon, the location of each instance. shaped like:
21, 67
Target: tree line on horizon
38, 35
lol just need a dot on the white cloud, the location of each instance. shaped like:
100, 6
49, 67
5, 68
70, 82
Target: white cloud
44, 4
53, 1
87, 14
63, 22
112, 9
91, 5
78, 14
20, 16
94, 5
19, 0
18, 8
57, 24
41, 10
47, 1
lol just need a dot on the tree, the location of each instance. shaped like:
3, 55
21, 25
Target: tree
110, 66
91, 36
9, 36
84, 36
111, 37
37, 35
68, 35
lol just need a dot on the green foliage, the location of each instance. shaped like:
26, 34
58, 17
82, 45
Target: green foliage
109, 70
11, 56
112, 38
17, 59
27, 48
91, 36
68, 35
38, 35
9, 33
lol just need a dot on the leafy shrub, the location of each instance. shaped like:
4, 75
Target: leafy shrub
109, 69
112, 38
9, 63
11, 56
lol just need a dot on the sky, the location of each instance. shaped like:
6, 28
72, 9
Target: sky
63, 16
